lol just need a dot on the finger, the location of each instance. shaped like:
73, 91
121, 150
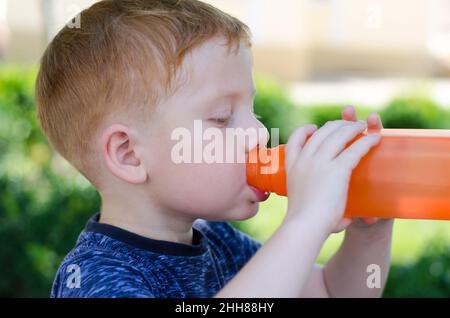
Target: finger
322, 134
349, 113
337, 142
353, 154
342, 225
374, 122
296, 143
370, 221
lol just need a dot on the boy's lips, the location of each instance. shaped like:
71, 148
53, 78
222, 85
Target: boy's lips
260, 195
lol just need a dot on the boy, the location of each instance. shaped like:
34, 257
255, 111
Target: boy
112, 95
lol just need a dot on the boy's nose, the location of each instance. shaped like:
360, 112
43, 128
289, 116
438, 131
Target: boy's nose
262, 136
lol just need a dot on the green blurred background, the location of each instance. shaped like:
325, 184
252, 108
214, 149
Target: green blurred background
44, 203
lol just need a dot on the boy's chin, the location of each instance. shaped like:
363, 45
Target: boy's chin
239, 214
245, 213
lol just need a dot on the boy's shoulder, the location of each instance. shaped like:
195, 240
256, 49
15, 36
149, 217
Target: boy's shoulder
94, 268
110, 262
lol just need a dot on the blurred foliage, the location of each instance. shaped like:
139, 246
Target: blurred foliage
44, 203
414, 112
275, 109
428, 276
321, 114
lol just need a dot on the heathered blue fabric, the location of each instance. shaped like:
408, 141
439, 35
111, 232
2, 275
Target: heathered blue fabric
115, 263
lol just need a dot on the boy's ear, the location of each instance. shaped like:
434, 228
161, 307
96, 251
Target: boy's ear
120, 157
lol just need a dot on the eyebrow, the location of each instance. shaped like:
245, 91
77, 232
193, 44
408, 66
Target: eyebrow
253, 92
214, 98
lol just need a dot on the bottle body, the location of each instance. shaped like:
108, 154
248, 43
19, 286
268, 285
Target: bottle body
406, 176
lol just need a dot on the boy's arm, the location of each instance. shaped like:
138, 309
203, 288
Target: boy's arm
280, 262
364, 253
348, 271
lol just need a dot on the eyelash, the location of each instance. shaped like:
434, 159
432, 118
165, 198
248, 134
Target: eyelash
222, 121
226, 120
257, 116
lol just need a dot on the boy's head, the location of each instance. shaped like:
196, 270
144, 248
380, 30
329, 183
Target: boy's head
111, 94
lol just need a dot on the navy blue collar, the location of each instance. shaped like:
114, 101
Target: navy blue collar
198, 247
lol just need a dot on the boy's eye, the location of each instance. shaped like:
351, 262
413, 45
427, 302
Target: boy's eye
222, 121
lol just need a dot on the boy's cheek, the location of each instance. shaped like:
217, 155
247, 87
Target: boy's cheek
214, 179
210, 191
214, 186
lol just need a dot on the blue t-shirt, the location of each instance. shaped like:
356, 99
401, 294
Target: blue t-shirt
110, 262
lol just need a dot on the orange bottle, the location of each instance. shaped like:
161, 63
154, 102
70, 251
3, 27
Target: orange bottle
406, 176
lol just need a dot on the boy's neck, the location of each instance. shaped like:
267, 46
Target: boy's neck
146, 220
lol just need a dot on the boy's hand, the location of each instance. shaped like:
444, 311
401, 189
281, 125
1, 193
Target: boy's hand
374, 124
319, 171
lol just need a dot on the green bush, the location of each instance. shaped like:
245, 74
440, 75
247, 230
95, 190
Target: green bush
41, 210
429, 276
320, 114
414, 112
275, 109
